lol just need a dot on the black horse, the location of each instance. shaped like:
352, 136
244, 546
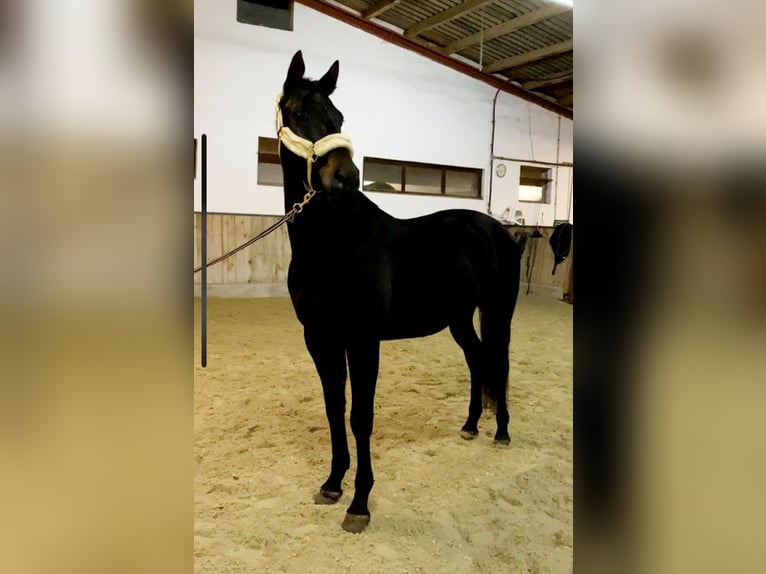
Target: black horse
359, 276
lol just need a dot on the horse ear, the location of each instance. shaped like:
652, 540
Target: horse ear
330, 79
295, 72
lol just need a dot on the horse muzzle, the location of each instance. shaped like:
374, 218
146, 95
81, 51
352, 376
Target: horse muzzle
339, 174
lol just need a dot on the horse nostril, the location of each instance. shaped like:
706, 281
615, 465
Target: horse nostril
345, 179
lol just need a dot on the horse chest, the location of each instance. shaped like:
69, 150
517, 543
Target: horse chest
334, 294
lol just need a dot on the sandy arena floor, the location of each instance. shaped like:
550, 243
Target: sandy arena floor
439, 505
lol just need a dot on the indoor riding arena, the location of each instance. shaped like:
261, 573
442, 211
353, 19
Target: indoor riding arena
445, 105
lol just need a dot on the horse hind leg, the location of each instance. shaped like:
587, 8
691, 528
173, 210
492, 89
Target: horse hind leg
495, 340
465, 336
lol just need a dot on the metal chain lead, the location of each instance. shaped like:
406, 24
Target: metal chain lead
286, 218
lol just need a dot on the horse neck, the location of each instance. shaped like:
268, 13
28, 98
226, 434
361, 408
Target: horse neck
339, 224
293, 173
302, 231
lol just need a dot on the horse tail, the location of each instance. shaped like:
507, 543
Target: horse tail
496, 312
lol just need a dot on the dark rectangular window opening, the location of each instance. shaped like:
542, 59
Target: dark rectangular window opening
270, 13
393, 176
269, 166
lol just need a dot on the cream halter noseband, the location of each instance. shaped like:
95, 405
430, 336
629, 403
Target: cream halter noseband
310, 151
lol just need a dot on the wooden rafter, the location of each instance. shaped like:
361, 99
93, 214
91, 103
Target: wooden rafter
445, 16
567, 101
528, 57
549, 81
507, 27
378, 8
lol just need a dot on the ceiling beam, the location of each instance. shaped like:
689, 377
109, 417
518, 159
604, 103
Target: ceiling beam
567, 100
550, 81
520, 77
378, 8
529, 57
507, 27
445, 16
419, 48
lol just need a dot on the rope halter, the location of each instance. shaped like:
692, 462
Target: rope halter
308, 150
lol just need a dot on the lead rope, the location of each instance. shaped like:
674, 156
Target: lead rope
286, 218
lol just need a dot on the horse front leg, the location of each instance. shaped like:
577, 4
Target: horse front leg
363, 361
330, 360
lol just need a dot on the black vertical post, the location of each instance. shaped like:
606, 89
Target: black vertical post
203, 286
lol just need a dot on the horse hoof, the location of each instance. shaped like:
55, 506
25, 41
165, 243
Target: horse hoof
502, 441
327, 496
355, 523
468, 435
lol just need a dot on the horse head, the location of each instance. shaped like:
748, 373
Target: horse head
309, 126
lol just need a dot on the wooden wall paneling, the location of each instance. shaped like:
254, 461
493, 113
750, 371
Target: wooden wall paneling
266, 251
197, 245
251, 263
258, 260
226, 263
284, 253
241, 259
228, 243
274, 252
215, 247
543, 262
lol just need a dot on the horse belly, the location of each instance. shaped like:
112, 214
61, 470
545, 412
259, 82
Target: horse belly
416, 315
411, 330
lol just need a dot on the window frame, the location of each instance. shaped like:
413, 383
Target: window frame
270, 158
443, 168
546, 179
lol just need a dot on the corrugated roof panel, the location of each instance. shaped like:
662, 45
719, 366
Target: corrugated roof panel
525, 39
406, 14
547, 32
358, 5
471, 23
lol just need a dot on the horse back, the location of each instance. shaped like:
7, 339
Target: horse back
400, 278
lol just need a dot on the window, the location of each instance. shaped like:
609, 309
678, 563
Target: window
421, 178
269, 166
271, 13
463, 183
534, 184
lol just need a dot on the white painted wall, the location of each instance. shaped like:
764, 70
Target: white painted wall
396, 104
